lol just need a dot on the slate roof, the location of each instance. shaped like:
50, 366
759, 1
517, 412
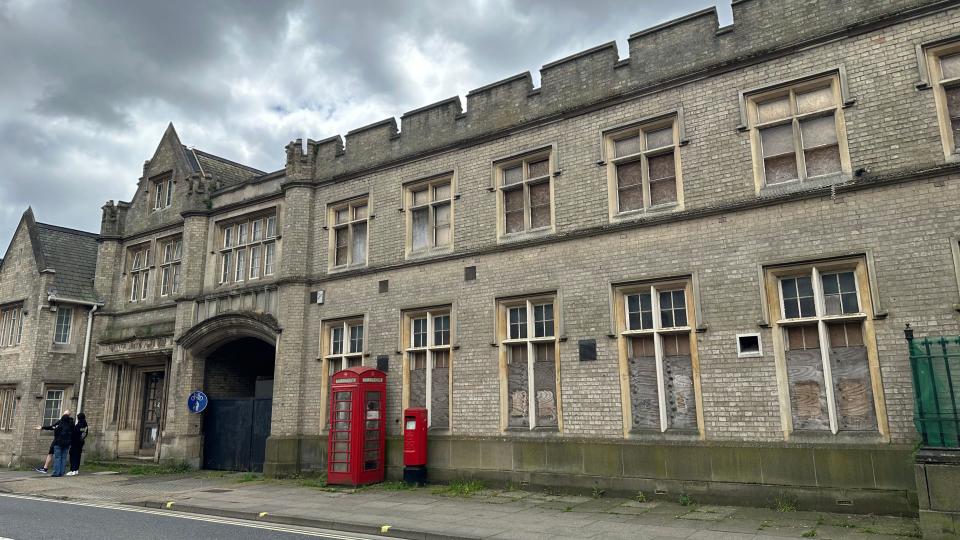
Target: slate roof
229, 173
73, 255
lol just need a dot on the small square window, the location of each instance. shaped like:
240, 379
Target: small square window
749, 345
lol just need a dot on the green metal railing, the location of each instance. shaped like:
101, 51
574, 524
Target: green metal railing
935, 362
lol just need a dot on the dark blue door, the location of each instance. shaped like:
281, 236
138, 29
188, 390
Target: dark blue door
235, 434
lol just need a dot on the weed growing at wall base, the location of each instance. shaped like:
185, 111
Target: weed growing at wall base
460, 488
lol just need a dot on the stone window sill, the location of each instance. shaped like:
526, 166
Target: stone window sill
525, 235
795, 186
669, 435
346, 268
842, 437
632, 215
535, 433
428, 253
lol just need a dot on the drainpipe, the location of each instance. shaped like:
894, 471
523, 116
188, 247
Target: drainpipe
86, 344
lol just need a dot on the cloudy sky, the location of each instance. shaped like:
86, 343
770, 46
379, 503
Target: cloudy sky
89, 86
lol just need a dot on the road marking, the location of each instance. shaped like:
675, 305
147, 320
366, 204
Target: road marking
181, 515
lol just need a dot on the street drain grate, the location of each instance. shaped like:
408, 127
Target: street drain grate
217, 490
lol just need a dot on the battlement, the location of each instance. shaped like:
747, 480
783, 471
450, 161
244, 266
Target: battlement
682, 47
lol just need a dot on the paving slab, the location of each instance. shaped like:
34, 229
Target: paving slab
489, 513
710, 513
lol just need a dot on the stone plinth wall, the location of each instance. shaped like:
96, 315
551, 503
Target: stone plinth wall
861, 479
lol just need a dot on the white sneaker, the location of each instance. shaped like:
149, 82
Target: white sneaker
72, 473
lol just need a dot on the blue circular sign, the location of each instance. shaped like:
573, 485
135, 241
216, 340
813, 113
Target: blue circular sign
197, 402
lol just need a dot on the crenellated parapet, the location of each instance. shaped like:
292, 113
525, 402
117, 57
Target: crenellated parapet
668, 53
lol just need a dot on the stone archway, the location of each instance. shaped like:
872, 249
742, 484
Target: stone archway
209, 334
231, 357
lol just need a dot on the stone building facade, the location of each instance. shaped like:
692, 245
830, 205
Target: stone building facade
687, 270
47, 301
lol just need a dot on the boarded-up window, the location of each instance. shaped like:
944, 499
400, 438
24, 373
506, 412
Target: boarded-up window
630, 185
525, 191
851, 376
808, 398
644, 166
644, 399
797, 132
349, 244
343, 347
530, 353
946, 73
826, 358
953, 106
656, 329
518, 387
428, 364
429, 205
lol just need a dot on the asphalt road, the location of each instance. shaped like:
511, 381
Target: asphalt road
27, 518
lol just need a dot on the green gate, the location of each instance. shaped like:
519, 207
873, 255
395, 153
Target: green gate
935, 362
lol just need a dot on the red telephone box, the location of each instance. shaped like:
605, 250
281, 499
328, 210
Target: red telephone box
415, 446
355, 450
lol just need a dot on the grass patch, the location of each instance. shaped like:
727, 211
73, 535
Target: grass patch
640, 497
248, 477
139, 469
597, 493
460, 488
809, 534
785, 503
685, 500
396, 486
314, 481
157, 470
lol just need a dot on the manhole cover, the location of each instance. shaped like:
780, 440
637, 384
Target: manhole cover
217, 490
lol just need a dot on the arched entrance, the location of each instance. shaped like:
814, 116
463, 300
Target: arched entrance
238, 379
233, 360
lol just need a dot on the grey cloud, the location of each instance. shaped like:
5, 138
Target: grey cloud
89, 86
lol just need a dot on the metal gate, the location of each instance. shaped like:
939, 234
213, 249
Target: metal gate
935, 365
235, 434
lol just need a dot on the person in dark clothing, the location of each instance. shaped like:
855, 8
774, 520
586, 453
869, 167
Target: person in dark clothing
47, 462
62, 436
45, 468
76, 444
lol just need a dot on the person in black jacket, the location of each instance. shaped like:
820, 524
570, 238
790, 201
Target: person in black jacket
62, 436
76, 444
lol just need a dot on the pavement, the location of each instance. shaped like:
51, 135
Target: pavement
26, 518
463, 510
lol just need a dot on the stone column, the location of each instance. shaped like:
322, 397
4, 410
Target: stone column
182, 432
286, 433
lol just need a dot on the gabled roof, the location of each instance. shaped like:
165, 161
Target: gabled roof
73, 255
227, 172
70, 253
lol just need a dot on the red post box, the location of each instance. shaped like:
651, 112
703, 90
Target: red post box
355, 450
415, 445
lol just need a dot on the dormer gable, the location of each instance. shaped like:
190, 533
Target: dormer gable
175, 179
24, 251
